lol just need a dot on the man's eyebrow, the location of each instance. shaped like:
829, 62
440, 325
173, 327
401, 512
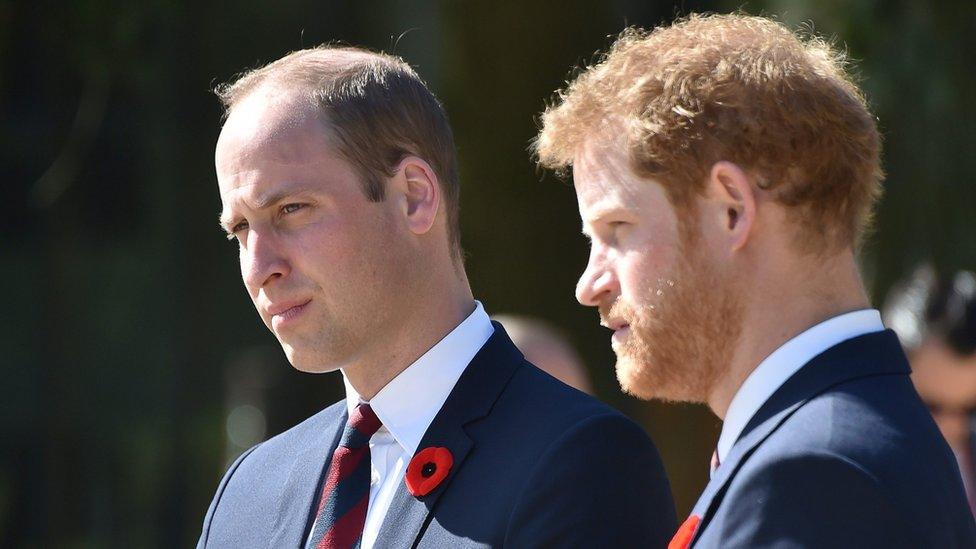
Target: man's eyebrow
597, 214
224, 223
265, 201
273, 197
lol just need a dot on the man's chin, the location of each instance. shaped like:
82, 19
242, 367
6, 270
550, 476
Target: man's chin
633, 379
645, 382
309, 363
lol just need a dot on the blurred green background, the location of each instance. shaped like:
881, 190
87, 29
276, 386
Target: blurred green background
132, 364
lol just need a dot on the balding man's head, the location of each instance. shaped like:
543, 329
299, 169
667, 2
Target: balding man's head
377, 111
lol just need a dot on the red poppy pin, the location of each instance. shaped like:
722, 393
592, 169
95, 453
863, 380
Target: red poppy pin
682, 539
427, 469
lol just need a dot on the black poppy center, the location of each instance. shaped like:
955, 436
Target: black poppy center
429, 469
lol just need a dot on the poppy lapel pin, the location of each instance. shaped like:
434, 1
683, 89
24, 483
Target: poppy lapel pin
427, 469
682, 539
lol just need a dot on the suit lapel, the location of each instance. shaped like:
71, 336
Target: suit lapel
300, 488
471, 399
872, 354
408, 514
742, 449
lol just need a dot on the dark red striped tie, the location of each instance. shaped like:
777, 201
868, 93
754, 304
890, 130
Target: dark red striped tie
345, 496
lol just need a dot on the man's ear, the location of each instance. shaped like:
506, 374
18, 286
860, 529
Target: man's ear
733, 202
420, 194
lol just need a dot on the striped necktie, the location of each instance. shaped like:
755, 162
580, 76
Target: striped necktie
345, 495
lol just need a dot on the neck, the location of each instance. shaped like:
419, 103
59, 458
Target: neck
439, 306
782, 304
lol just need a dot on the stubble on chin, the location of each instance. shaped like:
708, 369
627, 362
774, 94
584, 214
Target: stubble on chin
317, 346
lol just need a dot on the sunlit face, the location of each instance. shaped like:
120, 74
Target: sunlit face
318, 259
672, 313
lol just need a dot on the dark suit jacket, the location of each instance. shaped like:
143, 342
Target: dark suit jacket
536, 464
844, 454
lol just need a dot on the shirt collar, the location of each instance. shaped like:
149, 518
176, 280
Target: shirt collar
407, 404
786, 361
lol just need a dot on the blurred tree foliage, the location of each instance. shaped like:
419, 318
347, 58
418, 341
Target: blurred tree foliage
132, 363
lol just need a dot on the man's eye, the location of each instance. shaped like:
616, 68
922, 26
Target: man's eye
236, 229
290, 208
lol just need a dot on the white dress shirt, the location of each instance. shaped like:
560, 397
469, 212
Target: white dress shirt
407, 405
785, 361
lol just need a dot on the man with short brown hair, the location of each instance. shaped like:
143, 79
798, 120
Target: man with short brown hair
337, 174
726, 169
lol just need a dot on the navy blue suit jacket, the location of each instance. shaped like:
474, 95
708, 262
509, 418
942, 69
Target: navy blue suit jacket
536, 464
844, 454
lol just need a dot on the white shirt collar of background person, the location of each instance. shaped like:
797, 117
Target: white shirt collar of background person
785, 361
407, 404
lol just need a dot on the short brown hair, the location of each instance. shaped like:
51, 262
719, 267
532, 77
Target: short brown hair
379, 111
738, 88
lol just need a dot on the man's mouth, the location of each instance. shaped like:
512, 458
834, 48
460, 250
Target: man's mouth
620, 334
284, 313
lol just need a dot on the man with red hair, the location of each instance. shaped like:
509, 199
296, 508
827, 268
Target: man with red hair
726, 169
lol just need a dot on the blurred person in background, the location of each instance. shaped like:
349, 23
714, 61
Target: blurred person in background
934, 315
725, 169
548, 348
338, 177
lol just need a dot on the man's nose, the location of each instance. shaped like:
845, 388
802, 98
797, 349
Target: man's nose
262, 261
596, 283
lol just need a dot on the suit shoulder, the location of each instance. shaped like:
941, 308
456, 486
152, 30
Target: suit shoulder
878, 424
551, 415
598, 476
607, 433
254, 470
547, 395
801, 493
300, 436
870, 421
866, 432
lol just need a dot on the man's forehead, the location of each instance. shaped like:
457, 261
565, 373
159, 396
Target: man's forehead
601, 174
265, 118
